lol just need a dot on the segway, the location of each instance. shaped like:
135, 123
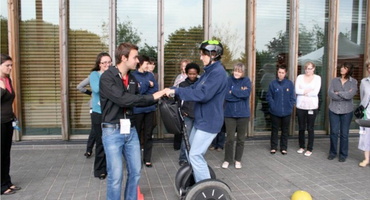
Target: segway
185, 186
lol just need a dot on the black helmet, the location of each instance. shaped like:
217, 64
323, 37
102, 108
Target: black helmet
212, 46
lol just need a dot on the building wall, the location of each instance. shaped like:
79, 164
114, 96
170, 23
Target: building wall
54, 45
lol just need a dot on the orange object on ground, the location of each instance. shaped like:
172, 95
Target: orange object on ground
140, 195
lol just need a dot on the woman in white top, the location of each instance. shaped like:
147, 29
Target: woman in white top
364, 140
307, 88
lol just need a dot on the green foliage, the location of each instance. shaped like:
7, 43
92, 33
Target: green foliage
150, 51
127, 33
309, 40
4, 35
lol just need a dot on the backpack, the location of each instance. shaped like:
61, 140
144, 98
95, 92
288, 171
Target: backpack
170, 115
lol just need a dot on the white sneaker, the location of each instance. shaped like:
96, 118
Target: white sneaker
238, 165
308, 153
225, 165
301, 150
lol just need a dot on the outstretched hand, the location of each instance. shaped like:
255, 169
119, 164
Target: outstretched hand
159, 94
170, 92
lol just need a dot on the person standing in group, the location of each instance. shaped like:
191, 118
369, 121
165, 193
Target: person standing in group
102, 63
144, 116
364, 140
179, 79
7, 119
341, 92
91, 140
208, 93
281, 99
237, 113
182, 76
307, 88
151, 68
192, 71
119, 93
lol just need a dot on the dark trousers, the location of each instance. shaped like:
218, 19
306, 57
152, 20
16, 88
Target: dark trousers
177, 138
278, 123
238, 125
306, 121
144, 127
6, 144
219, 140
91, 139
100, 164
339, 127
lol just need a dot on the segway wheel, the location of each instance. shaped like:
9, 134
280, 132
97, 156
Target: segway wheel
209, 189
184, 178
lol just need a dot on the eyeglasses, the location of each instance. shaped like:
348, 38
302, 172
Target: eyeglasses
106, 62
310, 69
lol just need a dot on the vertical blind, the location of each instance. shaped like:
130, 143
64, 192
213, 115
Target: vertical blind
87, 37
39, 63
183, 34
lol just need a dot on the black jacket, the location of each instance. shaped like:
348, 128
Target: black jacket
187, 107
115, 98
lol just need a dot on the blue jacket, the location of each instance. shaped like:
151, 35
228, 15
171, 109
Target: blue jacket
281, 97
237, 97
144, 88
208, 93
94, 84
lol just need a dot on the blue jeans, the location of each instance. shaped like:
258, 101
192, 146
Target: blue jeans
199, 143
116, 147
189, 125
339, 126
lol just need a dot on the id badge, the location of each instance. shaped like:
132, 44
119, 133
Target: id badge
310, 112
125, 125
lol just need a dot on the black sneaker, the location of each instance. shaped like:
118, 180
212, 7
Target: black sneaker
331, 157
182, 162
342, 159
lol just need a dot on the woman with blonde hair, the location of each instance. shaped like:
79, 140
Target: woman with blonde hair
307, 88
237, 113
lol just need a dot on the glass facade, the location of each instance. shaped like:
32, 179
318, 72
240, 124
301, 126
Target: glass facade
230, 29
4, 27
351, 39
39, 63
87, 37
312, 47
272, 49
183, 32
184, 27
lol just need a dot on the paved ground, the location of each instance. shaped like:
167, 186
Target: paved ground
58, 170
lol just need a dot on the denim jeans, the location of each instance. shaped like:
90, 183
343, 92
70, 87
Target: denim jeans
339, 126
199, 143
183, 152
118, 146
219, 141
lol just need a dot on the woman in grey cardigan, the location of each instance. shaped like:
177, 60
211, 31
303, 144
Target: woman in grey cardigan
341, 92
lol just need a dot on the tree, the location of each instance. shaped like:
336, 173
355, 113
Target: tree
127, 33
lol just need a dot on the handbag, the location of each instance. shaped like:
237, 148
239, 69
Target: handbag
169, 111
359, 112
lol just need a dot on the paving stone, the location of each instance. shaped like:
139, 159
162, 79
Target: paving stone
60, 171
